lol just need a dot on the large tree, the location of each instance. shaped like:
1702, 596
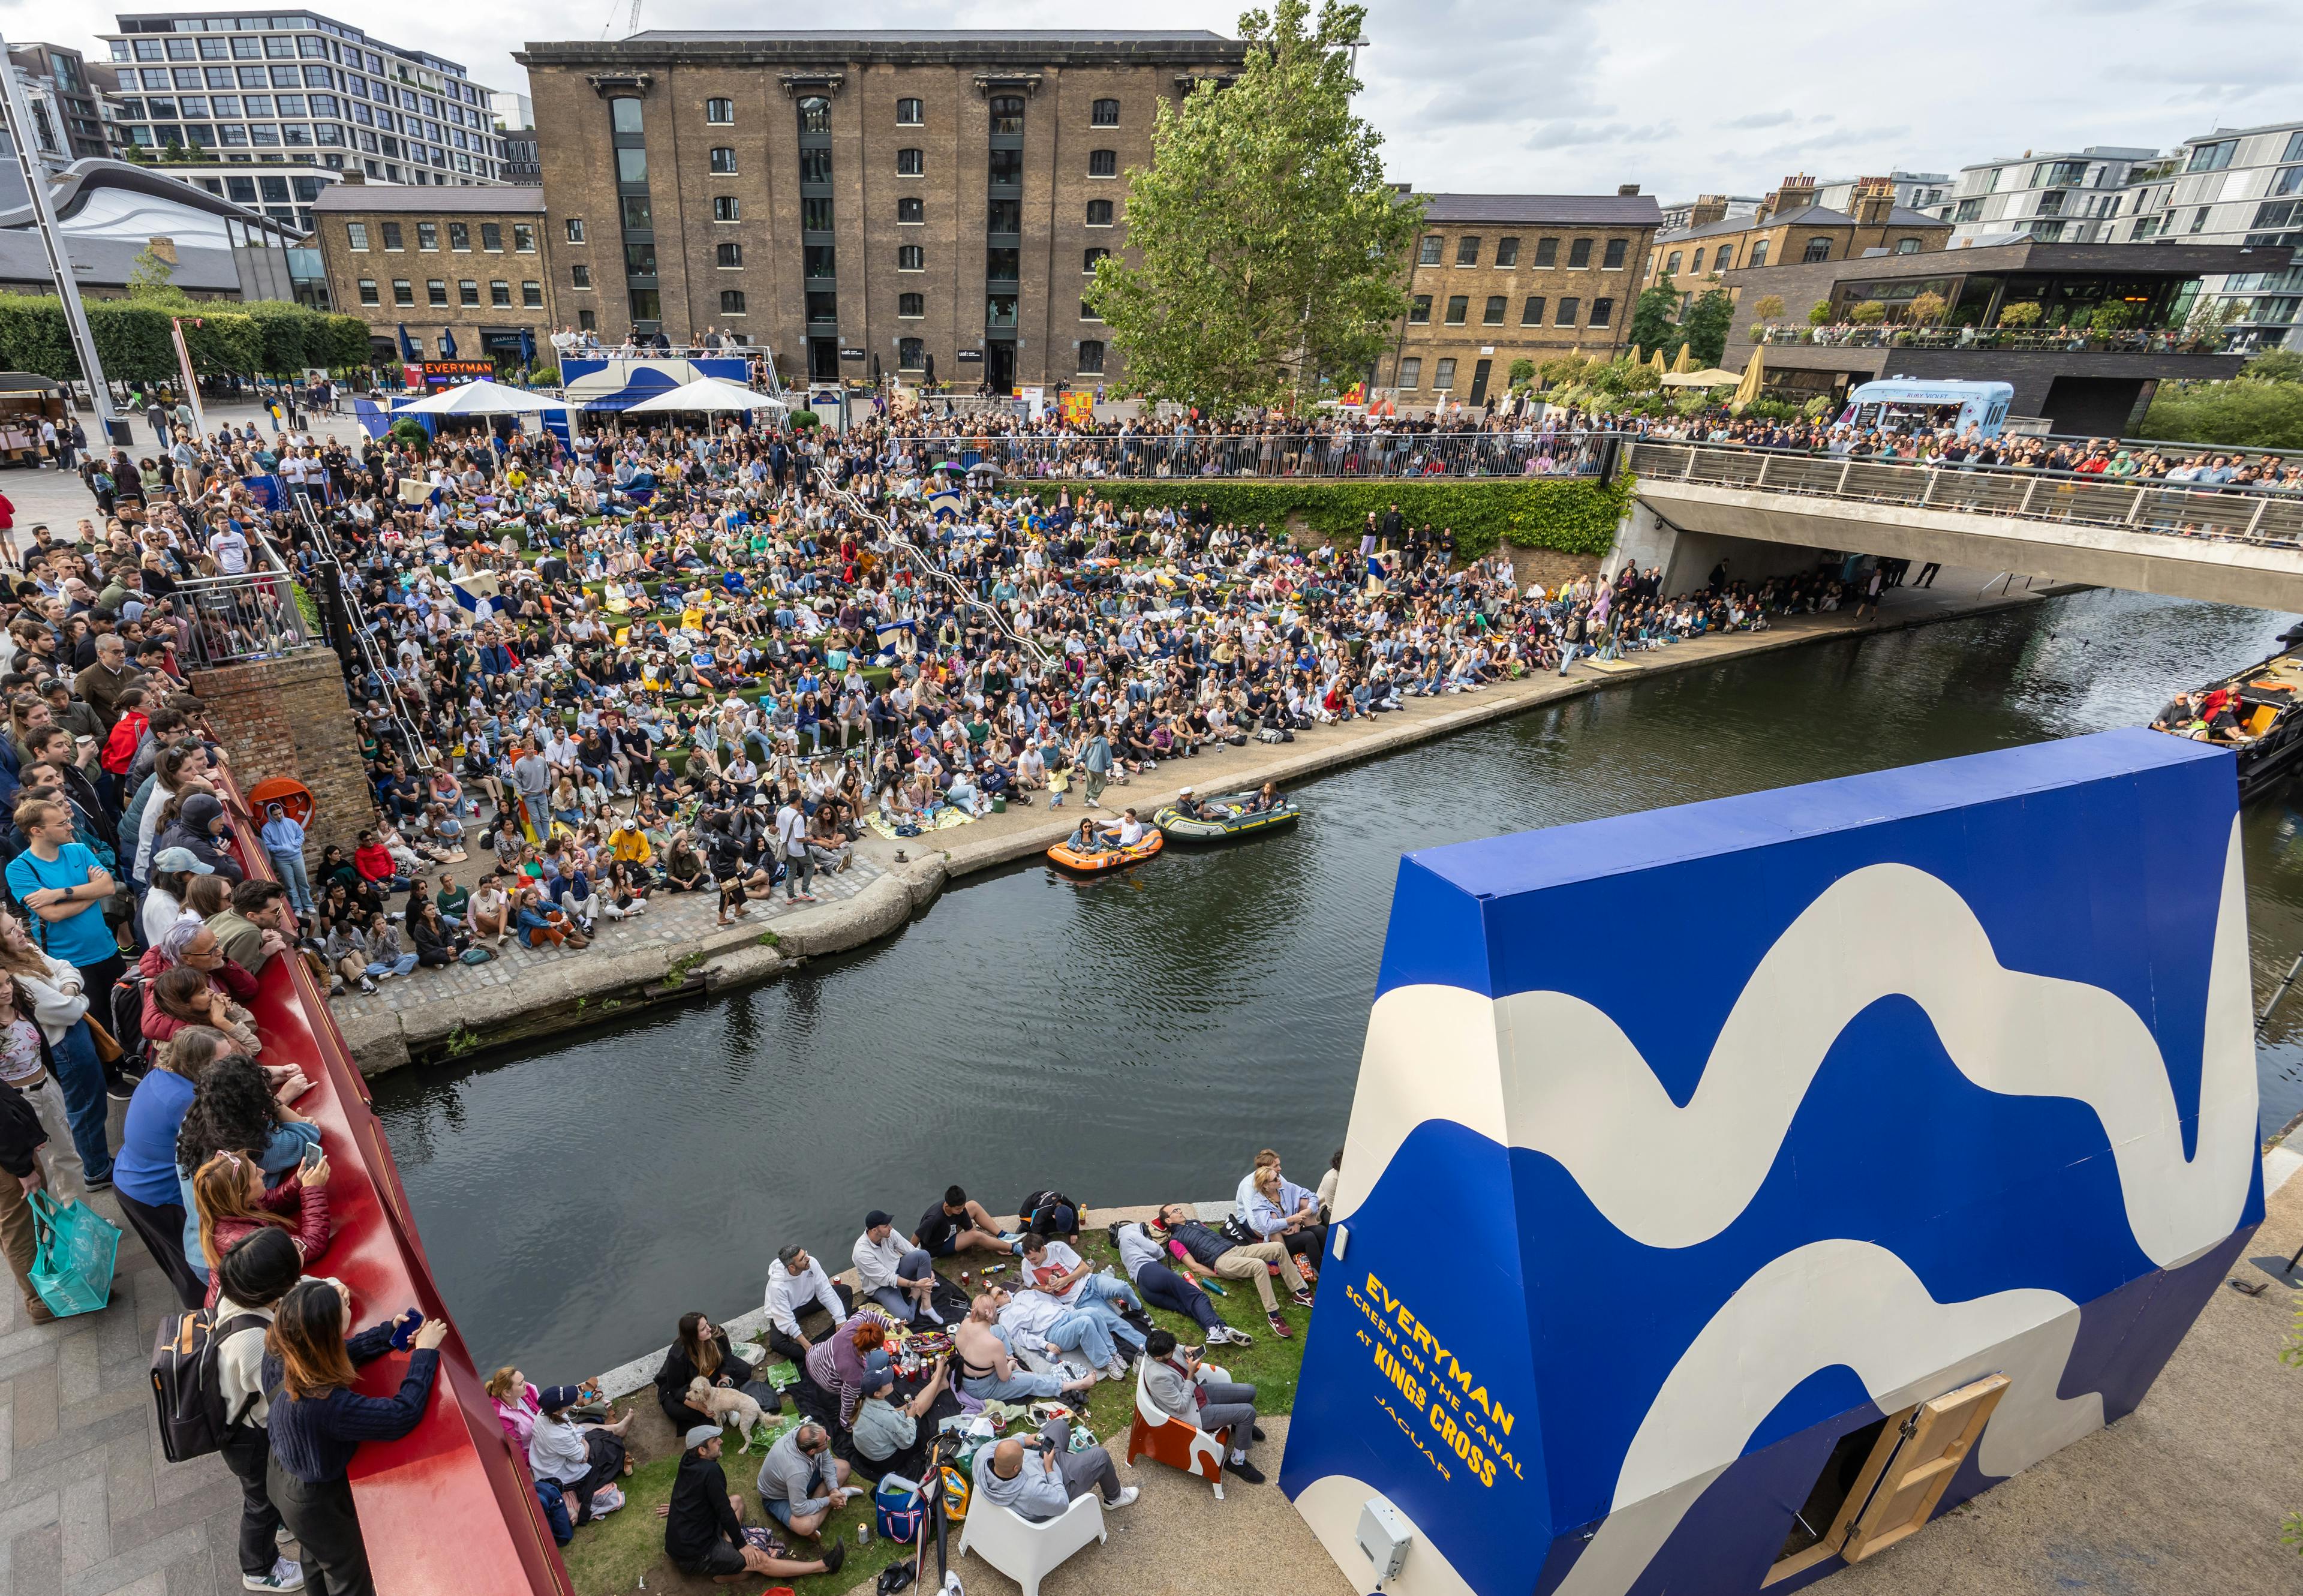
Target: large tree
1706, 325
1653, 327
1272, 253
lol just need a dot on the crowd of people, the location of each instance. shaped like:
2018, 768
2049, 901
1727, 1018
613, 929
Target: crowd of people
874, 1369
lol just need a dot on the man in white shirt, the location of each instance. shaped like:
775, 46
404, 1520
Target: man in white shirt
1035, 1322
899, 1278
791, 843
1051, 1268
230, 548
797, 1282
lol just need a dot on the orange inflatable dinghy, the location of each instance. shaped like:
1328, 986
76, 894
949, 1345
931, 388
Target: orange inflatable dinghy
1095, 861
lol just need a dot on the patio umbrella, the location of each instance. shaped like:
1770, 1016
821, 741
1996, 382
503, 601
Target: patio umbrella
1748, 389
448, 343
408, 349
481, 399
1658, 361
710, 393
1686, 361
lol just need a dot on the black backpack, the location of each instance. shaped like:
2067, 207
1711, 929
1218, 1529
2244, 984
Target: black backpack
188, 1387
1045, 1205
127, 997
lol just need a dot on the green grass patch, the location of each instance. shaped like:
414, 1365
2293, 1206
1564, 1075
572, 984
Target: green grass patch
609, 1557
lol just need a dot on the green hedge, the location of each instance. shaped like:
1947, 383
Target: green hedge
132, 337
1573, 515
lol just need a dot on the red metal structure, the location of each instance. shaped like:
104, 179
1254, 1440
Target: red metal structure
449, 1509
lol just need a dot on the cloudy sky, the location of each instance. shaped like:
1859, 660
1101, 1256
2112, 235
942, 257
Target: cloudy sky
1578, 95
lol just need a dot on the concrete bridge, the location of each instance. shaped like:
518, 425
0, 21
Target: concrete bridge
1767, 512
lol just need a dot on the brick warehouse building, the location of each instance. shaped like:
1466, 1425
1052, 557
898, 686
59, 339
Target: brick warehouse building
864, 203
1501, 278
473, 263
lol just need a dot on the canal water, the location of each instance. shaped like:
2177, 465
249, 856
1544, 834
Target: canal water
1136, 1039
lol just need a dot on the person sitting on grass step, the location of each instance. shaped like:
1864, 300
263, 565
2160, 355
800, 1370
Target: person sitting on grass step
704, 1532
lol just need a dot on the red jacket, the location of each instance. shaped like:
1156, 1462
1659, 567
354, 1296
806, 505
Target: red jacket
374, 862
158, 1023
307, 1204
127, 737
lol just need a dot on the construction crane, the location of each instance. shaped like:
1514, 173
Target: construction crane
631, 20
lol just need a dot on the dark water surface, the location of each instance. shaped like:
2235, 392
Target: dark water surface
1135, 1040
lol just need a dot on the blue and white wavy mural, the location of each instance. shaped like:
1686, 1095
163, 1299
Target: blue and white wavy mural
1687, 1143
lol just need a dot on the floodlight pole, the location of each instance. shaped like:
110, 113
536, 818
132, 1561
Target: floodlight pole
18, 120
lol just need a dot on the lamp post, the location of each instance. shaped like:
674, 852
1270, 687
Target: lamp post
18, 120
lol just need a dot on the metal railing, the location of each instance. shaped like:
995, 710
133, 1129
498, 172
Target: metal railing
252, 615
2271, 517
1215, 457
360, 637
2169, 341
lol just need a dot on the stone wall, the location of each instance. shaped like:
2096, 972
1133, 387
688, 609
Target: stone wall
293, 717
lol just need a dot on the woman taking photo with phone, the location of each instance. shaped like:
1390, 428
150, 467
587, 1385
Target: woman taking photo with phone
318, 1423
233, 1201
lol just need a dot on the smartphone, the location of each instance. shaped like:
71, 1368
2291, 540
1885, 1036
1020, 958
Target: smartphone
312, 1154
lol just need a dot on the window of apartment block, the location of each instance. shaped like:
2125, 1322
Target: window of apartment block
1090, 357
589, 320
460, 235
1493, 316
1579, 254
729, 256
467, 292
731, 302
1817, 249
1458, 306
1089, 312
1695, 266
580, 276
1099, 213
435, 290
1547, 252
1530, 314
356, 234
403, 292
428, 236
911, 306
1506, 252
523, 238
1428, 253
911, 212
1104, 113
1103, 163
1467, 249
1087, 262
575, 225
911, 258
1411, 372
723, 160
911, 162
531, 295
1613, 260
1724, 258
719, 112
1601, 309
1671, 263
1759, 254
1419, 310
1570, 307
367, 290
1907, 246
391, 236
911, 354
492, 236
1443, 377
910, 114
724, 208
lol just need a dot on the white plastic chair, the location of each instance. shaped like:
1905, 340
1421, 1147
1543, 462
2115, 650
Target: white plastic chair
1025, 1551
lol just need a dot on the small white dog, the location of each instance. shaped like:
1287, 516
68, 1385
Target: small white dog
728, 1405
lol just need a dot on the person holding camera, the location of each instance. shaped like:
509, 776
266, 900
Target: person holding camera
1176, 1380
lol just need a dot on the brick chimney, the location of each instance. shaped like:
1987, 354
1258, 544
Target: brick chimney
1875, 198
1796, 193
1707, 208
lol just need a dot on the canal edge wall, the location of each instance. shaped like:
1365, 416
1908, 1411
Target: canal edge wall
579, 994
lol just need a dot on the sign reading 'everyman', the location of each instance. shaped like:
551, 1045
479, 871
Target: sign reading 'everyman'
1454, 1416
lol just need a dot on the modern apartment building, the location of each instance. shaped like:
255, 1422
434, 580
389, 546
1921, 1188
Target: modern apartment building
2240, 186
67, 122
1502, 277
1913, 190
1790, 225
2055, 198
928, 204
297, 89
